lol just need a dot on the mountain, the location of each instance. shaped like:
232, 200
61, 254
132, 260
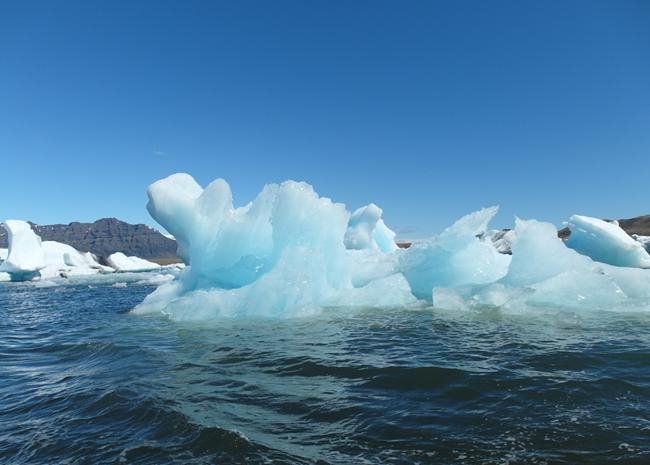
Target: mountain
639, 225
109, 235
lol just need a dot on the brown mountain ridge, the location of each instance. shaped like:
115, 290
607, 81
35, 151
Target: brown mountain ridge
107, 236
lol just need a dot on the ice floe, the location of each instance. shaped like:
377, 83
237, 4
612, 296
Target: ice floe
291, 252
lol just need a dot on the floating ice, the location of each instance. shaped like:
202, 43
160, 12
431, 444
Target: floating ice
121, 262
291, 253
25, 256
63, 260
557, 274
29, 258
281, 255
606, 242
543, 271
460, 256
643, 240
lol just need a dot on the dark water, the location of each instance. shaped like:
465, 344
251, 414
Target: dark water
84, 382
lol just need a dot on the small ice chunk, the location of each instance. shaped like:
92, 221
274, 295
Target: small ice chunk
538, 254
25, 255
606, 242
65, 260
121, 262
557, 274
643, 240
459, 256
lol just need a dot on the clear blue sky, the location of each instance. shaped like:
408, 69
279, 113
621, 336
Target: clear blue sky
429, 109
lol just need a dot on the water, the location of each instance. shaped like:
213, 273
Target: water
83, 381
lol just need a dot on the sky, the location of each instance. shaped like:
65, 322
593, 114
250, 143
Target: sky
430, 109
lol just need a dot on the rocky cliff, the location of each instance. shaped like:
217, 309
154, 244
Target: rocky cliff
109, 235
639, 225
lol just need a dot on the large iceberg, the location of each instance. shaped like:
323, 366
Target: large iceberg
282, 254
292, 253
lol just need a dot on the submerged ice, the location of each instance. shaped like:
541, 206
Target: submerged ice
291, 252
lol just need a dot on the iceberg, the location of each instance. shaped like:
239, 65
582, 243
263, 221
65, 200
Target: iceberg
557, 274
63, 260
544, 272
283, 254
29, 258
120, 262
25, 256
462, 255
292, 253
606, 242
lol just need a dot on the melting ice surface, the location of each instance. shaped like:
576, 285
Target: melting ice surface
292, 253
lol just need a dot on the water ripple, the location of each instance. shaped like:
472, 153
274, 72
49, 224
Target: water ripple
84, 382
